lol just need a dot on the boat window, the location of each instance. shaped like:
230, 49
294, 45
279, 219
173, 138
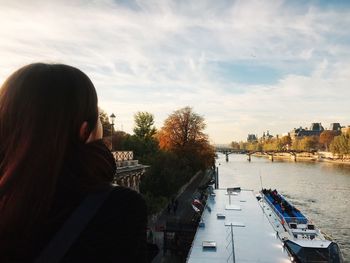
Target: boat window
311, 227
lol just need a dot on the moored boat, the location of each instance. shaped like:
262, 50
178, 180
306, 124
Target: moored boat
302, 240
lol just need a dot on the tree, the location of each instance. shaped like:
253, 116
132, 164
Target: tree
309, 143
326, 137
144, 122
285, 142
341, 144
181, 129
243, 145
235, 146
270, 145
183, 134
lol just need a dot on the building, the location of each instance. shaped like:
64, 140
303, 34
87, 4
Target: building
335, 126
315, 130
266, 136
252, 138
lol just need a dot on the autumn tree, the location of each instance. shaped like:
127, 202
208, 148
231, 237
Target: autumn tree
341, 144
181, 129
326, 137
144, 125
310, 143
185, 149
296, 144
183, 133
285, 142
235, 146
243, 145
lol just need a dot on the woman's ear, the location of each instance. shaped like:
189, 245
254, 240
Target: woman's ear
84, 131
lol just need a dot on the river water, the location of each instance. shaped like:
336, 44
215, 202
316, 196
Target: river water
320, 190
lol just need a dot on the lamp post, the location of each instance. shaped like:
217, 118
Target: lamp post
112, 118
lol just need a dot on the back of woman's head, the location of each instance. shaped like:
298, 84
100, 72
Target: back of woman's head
42, 107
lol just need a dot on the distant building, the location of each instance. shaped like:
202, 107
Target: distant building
316, 127
315, 130
266, 136
252, 138
335, 127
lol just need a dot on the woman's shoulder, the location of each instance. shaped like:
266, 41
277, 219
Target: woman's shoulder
122, 194
117, 232
123, 199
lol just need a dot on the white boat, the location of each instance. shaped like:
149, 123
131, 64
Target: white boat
302, 240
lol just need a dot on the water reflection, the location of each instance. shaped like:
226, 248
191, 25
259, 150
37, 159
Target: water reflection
320, 190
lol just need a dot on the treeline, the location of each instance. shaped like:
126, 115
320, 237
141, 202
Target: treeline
336, 142
174, 153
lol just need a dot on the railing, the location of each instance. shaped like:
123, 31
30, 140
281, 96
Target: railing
296, 220
123, 155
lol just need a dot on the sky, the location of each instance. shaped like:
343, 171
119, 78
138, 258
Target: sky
245, 66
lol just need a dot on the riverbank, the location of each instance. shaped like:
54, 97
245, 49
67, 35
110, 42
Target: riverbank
304, 157
173, 230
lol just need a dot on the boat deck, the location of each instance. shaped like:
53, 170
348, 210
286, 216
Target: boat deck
254, 238
290, 215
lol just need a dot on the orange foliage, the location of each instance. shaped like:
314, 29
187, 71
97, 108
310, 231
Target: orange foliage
183, 134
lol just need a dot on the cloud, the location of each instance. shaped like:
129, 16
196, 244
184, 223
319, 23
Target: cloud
247, 66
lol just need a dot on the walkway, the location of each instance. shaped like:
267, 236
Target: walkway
184, 214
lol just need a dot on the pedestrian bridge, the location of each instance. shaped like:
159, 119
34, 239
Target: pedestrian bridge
227, 151
271, 154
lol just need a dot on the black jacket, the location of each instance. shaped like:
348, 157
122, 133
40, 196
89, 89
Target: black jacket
117, 233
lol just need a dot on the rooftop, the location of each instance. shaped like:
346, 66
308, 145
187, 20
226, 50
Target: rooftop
254, 238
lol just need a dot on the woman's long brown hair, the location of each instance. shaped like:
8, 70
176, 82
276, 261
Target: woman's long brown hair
42, 107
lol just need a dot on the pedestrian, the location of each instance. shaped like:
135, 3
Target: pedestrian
55, 170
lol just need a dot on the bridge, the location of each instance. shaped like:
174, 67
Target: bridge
271, 154
227, 151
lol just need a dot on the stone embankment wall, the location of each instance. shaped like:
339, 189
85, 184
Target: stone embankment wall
305, 156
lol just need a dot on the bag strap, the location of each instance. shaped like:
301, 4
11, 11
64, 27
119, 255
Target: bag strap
73, 227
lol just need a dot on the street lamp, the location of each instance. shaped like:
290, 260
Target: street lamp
112, 118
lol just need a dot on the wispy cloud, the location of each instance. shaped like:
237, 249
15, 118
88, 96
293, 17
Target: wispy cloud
247, 66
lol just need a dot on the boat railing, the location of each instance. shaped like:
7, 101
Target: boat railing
296, 220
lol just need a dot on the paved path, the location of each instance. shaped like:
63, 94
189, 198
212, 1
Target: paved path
184, 213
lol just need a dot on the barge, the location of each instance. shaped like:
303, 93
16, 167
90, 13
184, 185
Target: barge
238, 226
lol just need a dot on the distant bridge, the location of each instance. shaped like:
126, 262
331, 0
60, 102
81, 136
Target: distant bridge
230, 150
272, 154
227, 151
269, 153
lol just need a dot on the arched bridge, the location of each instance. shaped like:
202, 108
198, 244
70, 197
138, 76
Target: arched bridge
271, 154
227, 151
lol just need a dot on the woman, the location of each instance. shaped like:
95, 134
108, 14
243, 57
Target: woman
51, 158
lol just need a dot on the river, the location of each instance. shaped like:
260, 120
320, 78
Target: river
320, 190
